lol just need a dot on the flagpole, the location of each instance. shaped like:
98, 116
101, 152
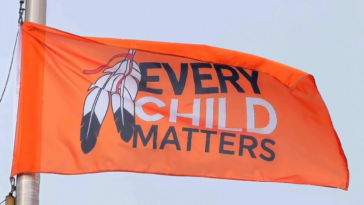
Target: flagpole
27, 184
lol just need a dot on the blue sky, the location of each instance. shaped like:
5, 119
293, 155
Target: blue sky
324, 38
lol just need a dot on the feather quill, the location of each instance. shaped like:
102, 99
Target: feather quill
95, 109
123, 97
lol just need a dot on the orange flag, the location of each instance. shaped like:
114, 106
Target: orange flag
90, 105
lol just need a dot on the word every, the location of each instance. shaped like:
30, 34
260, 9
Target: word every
179, 84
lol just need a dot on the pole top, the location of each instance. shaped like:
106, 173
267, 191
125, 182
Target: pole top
36, 11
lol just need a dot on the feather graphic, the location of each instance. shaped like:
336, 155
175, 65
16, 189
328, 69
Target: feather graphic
125, 89
95, 108
122, 83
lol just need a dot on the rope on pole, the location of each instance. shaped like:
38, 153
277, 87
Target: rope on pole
20, 22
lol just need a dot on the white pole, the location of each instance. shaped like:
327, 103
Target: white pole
36, 11
27, 185
27, 189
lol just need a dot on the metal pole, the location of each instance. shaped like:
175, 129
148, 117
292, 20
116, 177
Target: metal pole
27, 185
27, 189
36, 11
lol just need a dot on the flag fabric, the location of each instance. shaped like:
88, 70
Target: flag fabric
89, 105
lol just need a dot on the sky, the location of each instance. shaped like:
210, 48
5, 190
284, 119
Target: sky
323, 38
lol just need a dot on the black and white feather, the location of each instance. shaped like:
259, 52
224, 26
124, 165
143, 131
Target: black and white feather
94, 111
123, 102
